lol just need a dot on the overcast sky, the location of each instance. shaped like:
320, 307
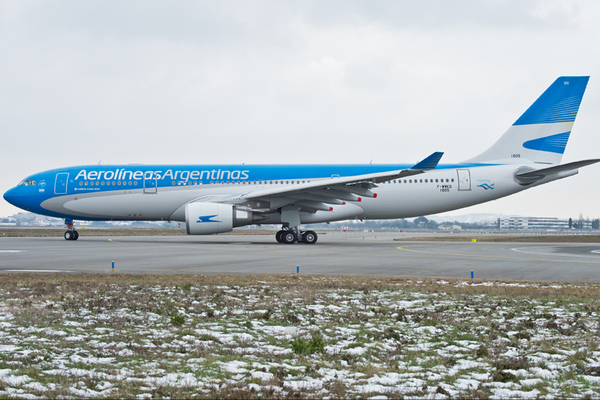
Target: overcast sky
196, 82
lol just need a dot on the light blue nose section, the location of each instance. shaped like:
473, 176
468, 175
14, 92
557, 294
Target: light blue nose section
11, 197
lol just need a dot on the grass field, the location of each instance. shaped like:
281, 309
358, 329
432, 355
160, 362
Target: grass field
296, 336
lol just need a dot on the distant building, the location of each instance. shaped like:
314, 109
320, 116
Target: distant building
449, 227
534, 223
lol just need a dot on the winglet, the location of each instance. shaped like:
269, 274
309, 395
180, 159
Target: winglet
430, 162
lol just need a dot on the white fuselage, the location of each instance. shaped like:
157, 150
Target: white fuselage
429, 193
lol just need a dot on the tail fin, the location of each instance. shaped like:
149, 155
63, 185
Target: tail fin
540, 135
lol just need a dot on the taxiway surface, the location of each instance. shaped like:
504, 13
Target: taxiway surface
336, 253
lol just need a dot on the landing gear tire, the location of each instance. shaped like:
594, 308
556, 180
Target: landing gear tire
309, 237
279, 236
289, 237
71, 235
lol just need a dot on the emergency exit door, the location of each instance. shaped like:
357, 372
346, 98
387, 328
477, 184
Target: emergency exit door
60, 185
464, 179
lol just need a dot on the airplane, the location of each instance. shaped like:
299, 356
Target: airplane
217, 198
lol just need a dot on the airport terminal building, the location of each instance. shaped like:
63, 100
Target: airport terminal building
537, 223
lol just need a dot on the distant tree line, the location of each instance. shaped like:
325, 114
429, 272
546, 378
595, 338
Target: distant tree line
400, 224
582, 223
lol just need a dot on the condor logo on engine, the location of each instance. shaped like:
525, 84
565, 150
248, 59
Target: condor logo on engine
206, 218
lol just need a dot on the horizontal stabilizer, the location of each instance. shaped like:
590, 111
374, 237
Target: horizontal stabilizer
430, 162
558, 168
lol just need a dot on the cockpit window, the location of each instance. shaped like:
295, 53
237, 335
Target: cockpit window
29, 182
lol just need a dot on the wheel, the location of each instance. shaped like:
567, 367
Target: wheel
309, 237
289, 237
279, 236
75, 235
69, 235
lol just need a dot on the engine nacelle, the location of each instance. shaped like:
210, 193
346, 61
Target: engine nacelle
208, 218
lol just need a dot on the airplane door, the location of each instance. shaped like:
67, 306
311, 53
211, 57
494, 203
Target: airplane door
464, 179
60, 185
150, 185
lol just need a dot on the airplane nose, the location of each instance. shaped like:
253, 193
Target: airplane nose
12, 197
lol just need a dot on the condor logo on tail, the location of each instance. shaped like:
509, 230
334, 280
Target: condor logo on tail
552, 144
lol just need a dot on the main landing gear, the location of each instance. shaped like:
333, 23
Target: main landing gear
290, 236
71, 233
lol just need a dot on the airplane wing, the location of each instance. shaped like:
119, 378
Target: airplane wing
320, 194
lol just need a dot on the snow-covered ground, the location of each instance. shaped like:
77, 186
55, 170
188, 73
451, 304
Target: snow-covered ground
297, 336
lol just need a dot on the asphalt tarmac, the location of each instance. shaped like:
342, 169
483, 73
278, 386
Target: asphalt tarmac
336, 253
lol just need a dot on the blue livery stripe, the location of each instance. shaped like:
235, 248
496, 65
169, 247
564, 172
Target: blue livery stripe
559, 103
552, 144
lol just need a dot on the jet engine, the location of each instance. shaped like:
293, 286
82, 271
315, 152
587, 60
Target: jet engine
208, 218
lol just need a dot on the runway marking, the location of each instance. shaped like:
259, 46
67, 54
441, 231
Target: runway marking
11, 251
289, 250
35, 270
520, 250
250, 247
484, 257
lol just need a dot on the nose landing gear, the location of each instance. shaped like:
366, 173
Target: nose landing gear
71, 233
